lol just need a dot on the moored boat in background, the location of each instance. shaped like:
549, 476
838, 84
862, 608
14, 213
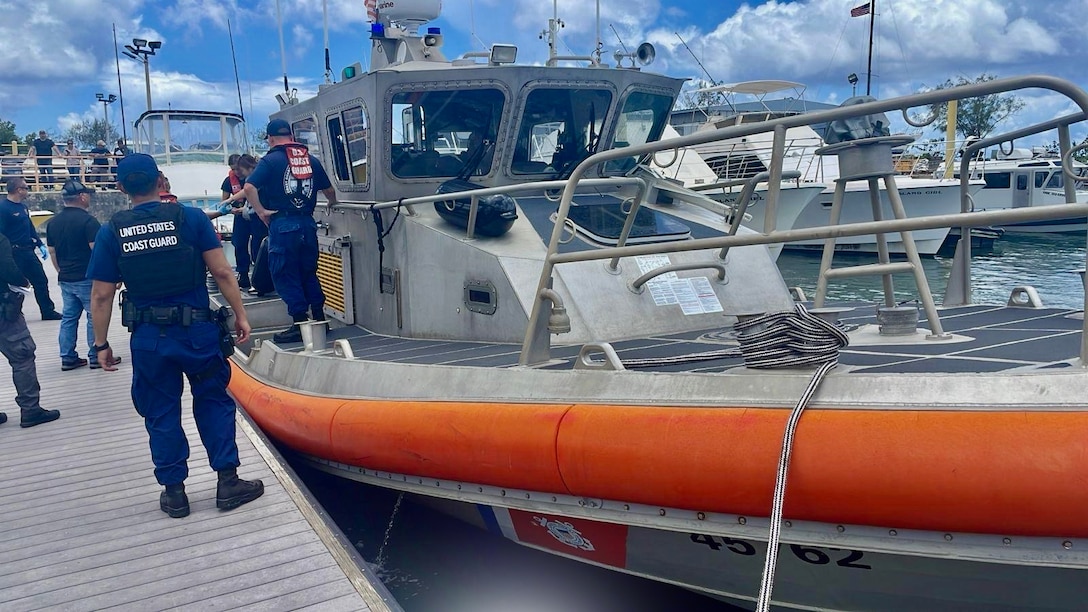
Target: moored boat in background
192, 148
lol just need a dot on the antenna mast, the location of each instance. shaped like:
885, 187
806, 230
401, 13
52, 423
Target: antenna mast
328, 61
553, 32
237, 83
869, 70
283, 51
120, 90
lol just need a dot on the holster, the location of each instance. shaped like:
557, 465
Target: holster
226, 340
128, 312
11, 305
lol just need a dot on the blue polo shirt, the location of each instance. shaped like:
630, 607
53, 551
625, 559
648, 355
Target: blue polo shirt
16, 225
196, 229
272, 173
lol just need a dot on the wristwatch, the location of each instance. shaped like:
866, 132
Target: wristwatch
99, 348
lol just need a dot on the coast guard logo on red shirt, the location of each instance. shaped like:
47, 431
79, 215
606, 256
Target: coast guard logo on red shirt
298, 179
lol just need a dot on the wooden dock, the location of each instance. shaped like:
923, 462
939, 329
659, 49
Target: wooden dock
81, 529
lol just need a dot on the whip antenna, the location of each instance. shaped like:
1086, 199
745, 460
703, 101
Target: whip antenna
328, 62
283, 52
120, 90
237, 83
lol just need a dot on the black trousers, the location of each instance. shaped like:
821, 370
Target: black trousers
31, 267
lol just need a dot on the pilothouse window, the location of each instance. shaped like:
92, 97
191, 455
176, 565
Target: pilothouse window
442, 134
560, 127
642, 120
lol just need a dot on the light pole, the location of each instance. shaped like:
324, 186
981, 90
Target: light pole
106, 101
139, 50
852, 78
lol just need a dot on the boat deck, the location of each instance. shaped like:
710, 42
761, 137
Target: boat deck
987, 338
82, 529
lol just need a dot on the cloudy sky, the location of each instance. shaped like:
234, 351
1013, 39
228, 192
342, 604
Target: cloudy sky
55, 55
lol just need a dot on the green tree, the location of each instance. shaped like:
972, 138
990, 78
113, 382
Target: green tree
88, 133
1082, 155
976, 117
7, 132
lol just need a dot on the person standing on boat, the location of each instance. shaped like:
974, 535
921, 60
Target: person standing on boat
44, 151
17, 344
70, 235
15, 223
161, 251
248, 230
283, 190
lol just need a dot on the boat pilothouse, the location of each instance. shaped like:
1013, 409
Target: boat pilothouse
416, 124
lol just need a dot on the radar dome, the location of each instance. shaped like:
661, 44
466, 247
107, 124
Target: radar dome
409, 13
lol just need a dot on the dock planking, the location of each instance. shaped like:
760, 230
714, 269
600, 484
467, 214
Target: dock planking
81, 529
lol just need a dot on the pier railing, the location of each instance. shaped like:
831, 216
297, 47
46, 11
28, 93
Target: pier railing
535, 347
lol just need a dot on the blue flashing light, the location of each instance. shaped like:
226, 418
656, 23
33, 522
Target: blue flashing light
377, 30
434, 30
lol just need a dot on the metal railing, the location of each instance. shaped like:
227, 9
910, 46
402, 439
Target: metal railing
534, 347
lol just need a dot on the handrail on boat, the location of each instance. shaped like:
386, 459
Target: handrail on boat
719, 266
961, 269
531, 353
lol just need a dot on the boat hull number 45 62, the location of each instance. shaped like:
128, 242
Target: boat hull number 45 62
808, 554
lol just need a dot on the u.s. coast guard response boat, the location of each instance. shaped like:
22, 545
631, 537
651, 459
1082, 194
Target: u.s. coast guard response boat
525, 332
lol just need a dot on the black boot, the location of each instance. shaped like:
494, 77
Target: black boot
174, 502
233, 491
291, 334
37, 416
3, 418
318, 313
243, 280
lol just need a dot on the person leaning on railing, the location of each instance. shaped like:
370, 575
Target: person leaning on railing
73, 159
100, 163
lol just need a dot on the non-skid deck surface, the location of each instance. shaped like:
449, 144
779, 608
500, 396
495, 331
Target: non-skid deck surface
80, 526
1001, 338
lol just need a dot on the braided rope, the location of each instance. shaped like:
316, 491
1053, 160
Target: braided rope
779, 340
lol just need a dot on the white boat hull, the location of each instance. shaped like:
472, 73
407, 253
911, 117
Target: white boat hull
932, 198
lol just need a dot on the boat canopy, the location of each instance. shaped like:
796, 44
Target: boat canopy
181, 136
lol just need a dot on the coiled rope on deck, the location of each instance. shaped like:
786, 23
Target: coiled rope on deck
787, 340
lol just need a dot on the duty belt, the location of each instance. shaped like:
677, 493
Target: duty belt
173, 315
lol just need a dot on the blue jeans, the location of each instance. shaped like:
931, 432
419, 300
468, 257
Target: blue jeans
76, 299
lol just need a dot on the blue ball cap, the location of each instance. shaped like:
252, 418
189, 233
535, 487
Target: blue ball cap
139, 163
278, 127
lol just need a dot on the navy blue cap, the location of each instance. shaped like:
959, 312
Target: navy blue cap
73, 187
278, 127
138, 163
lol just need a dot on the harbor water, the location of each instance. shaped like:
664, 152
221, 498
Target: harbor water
434, 563
1047, 262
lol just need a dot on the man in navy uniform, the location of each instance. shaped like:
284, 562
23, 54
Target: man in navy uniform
15, 223
161, 251
283, 191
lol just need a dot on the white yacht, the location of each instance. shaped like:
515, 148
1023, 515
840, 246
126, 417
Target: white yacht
1021, 178
741, 158
192, 148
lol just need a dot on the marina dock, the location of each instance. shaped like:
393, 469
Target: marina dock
82, 529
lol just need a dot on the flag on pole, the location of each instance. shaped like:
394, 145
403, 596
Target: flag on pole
858, 11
